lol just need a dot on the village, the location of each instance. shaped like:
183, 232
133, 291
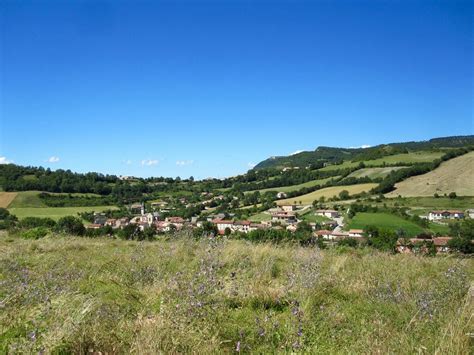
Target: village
284, 217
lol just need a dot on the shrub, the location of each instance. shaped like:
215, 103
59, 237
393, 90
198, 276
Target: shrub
70, 225
33, 222
35, 233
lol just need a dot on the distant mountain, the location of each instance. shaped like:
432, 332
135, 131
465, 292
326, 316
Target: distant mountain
332, 155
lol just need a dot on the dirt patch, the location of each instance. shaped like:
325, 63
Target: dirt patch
6, 198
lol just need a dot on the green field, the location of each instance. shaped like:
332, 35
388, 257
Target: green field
391, 222
65, 295
31, 198
464, 202
415, 157
259, 217
312, 218
297, 187
327, 192
55, 212
373, 173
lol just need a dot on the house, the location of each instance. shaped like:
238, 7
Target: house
421, 246
257, 226
445, 214
242, 226
111, 222
122, 222
331, 235
178, 222
288, 208
222, 224
100, 218
356, 233
291, 228
327, 213
470, 213
281, 195
284, 217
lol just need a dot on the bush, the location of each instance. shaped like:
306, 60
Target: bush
70, 225
35, 233
349, 242
33, 222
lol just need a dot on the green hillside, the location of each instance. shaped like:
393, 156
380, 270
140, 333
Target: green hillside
334, 155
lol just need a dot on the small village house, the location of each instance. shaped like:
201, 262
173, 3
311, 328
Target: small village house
327, 213
445, 214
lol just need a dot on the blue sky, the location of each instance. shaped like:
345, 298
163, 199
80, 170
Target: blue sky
208, 88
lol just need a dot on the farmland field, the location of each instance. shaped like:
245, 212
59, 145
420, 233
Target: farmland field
373, 173
299, 186
414, 157
6, 198
259, 217
455, 175
327, 192
55, 212
81, 295
391, 222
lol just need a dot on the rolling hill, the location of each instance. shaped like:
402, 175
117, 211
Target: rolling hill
455, 175
332, 155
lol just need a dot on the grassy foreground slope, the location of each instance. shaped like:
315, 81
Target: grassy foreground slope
71, 295
455, 175
327, 192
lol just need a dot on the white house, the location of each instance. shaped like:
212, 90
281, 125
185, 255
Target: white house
327, 213
445, 214
288, 208
356, 233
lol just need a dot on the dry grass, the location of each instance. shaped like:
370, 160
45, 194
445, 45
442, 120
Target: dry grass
455, 175
72, 295
6, 198
327, 192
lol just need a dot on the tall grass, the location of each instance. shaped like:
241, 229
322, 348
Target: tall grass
180, 295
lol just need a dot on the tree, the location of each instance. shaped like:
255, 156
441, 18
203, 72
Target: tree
463, 235
344, 195
452, 195
70, 225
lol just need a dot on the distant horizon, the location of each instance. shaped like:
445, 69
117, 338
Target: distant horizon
209, 89
3, 161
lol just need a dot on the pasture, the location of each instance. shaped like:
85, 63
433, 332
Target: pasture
297, 187
374, 173
55, 212
327, 192
391, 222
455, 175
73, 295
413, 157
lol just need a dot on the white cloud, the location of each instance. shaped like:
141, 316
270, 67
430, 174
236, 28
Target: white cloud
4, 160
184, 162
128, 162
363, 146
297, 152
53, 159
251, 165
149, 162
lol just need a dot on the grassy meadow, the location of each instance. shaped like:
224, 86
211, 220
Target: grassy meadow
299, 186
55, 212
374, 173
455, 175
413, 157
73, 295
327, 192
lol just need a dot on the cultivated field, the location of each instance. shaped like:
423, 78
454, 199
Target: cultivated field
415, 157
327, 192
297, 187
393, 223
6, 198
455, 175
55, 212
72, 295
374, 173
